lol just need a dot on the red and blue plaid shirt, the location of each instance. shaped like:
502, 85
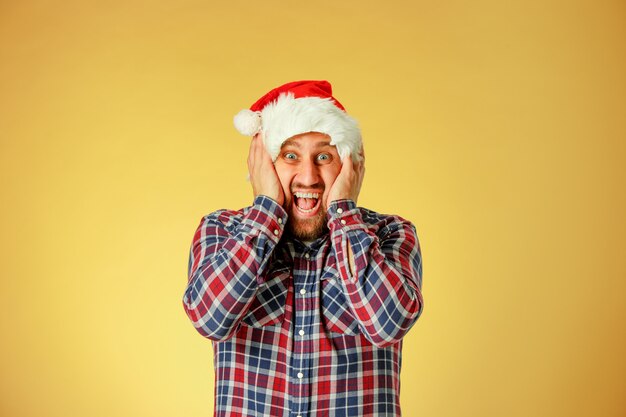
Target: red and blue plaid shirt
294, 331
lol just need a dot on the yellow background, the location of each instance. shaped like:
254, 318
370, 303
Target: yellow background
497, 127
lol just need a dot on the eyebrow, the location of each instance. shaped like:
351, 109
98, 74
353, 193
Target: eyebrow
295, 144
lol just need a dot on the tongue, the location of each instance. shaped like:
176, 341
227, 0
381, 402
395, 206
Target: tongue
306, 203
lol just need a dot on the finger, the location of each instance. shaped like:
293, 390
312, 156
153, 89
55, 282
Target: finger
250, 155
256, 151
263, 153
251, 149
255, 165
347, 163
263, 157
361, 153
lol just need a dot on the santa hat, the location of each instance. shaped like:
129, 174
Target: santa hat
300, 107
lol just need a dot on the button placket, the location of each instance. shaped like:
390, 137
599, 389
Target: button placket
301, 361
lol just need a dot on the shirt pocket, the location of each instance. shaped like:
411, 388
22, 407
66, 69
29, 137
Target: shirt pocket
336, 314
268, 306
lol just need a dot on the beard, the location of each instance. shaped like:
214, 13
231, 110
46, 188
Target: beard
307, 229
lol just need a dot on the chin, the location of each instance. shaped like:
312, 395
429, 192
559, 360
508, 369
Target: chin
309, 229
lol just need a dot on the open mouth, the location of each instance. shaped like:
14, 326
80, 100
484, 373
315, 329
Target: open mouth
306, 202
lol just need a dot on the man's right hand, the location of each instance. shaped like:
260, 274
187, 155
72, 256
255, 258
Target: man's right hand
263, 176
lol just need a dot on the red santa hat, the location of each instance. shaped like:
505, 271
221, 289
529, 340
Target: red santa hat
300, 107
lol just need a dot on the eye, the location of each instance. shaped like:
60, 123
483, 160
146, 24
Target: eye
290, 155
323, 157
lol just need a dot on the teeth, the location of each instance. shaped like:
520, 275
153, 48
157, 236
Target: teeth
306, 195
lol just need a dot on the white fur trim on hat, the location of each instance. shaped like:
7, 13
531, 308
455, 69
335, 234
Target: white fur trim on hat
288, 116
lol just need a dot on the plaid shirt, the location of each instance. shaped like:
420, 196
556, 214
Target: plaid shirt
294, 332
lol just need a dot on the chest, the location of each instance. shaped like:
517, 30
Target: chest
303, 289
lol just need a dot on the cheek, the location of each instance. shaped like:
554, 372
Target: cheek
332, 173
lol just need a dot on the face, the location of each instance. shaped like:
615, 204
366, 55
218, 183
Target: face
307, 166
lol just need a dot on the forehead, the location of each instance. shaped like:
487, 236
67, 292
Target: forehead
309, 140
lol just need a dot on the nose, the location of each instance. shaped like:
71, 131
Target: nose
309, 174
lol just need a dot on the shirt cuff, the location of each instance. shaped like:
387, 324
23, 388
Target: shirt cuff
343, 216
268, 216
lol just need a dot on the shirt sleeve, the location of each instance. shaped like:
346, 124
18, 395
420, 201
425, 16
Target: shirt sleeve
227, 264
384, 287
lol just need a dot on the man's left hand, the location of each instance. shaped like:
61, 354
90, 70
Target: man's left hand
347, 185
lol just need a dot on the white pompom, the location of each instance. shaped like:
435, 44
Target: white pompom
248, 122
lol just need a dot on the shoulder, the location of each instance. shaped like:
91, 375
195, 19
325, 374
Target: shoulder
382, 224
224, 217
263, 215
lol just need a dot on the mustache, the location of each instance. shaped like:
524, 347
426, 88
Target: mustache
307, 188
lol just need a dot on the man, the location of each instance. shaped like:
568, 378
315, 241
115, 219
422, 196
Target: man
305, 296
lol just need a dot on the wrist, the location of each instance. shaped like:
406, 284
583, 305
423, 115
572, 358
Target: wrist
340, 199
340, 206
276, 198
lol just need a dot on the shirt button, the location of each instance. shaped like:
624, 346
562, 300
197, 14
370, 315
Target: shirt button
280, 221
300, 375
303, 291
301, 332
276, 232
343, 221
306, 255
340, 210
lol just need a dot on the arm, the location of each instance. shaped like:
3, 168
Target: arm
381, 273
226, 265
